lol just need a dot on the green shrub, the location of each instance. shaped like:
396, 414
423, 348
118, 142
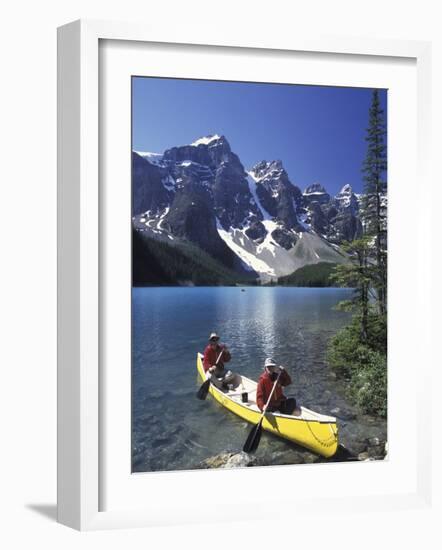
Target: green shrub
362, 364
368, 384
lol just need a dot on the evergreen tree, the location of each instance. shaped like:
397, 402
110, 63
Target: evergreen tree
359, 351
359, 275
374, 215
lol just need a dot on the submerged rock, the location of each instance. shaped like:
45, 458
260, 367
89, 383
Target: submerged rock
229, 460
355, 447
285, 457
310, 458
363, 456
343, 414
376, 453
280, 458
377, 448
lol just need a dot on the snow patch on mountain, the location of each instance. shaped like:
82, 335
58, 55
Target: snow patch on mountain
270, 260
169, 183
302, 219
163, 215
268, 243
153, 158
248, 257
205, 140
252, 188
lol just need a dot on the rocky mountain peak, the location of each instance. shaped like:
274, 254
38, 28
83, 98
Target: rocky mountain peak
346, 199
346, 190
276, 193
209, 151
315, 193
315, 188
214, 144
265, 170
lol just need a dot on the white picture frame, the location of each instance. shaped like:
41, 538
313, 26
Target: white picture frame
80, 294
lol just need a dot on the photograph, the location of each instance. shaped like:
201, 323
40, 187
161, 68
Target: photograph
259, 274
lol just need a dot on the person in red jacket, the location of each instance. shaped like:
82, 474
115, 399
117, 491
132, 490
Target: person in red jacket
215, 355
279, 402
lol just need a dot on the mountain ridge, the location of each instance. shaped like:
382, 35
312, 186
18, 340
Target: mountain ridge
253, 221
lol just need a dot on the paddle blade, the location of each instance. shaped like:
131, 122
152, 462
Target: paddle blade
253, 439
204, 390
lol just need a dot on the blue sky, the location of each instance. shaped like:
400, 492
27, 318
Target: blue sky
318, 132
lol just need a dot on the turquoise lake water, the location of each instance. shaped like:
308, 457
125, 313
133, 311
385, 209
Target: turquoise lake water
171, 429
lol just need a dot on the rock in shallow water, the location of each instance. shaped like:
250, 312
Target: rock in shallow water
231, 459
310, 458
228, 460
363, 456
355, 447
343, 414
376, 453
240, 460
377, 448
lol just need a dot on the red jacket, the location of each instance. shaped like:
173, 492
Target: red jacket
212, 354
265, 385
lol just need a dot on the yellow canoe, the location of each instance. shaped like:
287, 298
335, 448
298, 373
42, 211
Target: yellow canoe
317, 432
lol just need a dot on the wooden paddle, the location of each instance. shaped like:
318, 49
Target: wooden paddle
204, 389
254, 437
